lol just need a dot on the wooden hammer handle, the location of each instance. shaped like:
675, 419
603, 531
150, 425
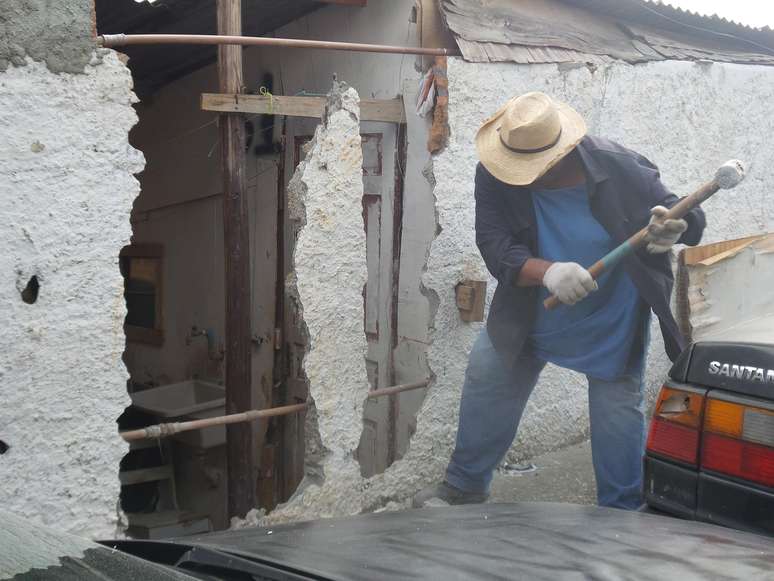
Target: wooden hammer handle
639, 239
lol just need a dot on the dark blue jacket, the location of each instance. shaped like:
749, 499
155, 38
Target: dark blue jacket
623, 186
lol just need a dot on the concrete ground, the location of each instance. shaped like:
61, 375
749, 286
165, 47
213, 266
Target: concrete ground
563, 476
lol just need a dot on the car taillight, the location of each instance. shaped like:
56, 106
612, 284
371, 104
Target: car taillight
723, 418
674, 429
739, 440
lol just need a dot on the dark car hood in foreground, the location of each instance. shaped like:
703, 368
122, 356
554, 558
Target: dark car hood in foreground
505, 541
31, 552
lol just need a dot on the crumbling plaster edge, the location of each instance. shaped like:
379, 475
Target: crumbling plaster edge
106, 83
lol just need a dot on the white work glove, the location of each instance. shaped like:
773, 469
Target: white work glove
569, 282
663, 234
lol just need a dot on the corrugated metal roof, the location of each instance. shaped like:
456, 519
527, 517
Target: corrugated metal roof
668, 6
661, 15
593, 31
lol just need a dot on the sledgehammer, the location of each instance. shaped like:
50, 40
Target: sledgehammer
728, 176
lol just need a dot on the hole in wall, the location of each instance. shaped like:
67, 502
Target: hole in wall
30, 293
4, 447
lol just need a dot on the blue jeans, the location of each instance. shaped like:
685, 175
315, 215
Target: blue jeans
493, 400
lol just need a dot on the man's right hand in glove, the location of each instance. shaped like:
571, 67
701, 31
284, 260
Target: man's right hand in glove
569, 281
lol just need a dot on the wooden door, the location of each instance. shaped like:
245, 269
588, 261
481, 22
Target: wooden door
377, 445
261, 183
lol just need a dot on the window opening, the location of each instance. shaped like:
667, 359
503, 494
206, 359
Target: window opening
141, 267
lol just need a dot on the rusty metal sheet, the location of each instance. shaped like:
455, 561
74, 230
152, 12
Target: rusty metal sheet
597, 31
483, 52
670, 45
537, 23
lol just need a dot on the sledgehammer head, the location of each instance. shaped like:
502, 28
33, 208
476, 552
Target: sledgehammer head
730, 174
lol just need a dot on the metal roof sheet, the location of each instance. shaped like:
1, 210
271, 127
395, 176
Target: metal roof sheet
593, 31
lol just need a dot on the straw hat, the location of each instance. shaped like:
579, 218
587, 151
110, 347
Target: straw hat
528, 136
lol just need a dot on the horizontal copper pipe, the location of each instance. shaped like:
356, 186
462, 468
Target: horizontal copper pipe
114, 40
169, 429
397, 389
164, 430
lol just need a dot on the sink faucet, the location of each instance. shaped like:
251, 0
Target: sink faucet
214, 352
197, 332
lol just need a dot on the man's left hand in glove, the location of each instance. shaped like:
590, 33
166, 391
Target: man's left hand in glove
663, 234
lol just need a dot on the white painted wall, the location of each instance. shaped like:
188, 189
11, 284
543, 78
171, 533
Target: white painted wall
687, 118
66, 188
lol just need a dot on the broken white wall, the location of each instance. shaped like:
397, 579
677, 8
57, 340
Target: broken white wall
66, 189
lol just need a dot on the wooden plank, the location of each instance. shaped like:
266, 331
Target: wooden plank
288, 446
262, 206
384, 110
141, 475
144, 335
401, 161
144, 250
240, 445
700, 254
165, 517
471, 300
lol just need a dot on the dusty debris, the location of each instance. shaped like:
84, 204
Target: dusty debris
394, 506
254, 518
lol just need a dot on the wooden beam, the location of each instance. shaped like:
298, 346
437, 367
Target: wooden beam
360, 3
240, 444
386, 110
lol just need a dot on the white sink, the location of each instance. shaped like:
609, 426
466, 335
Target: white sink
187, 400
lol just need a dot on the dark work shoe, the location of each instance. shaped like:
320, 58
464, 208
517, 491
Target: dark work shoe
445, 494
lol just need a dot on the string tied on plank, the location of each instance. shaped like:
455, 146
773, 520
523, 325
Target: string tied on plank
264, 92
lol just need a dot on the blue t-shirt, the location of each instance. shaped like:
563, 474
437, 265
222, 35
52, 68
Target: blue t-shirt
597, 335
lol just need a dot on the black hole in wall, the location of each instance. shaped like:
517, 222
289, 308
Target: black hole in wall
30, 293
4, 447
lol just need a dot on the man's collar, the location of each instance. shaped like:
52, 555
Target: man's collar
594, 172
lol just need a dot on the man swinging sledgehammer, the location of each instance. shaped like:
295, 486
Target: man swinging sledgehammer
551, 200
